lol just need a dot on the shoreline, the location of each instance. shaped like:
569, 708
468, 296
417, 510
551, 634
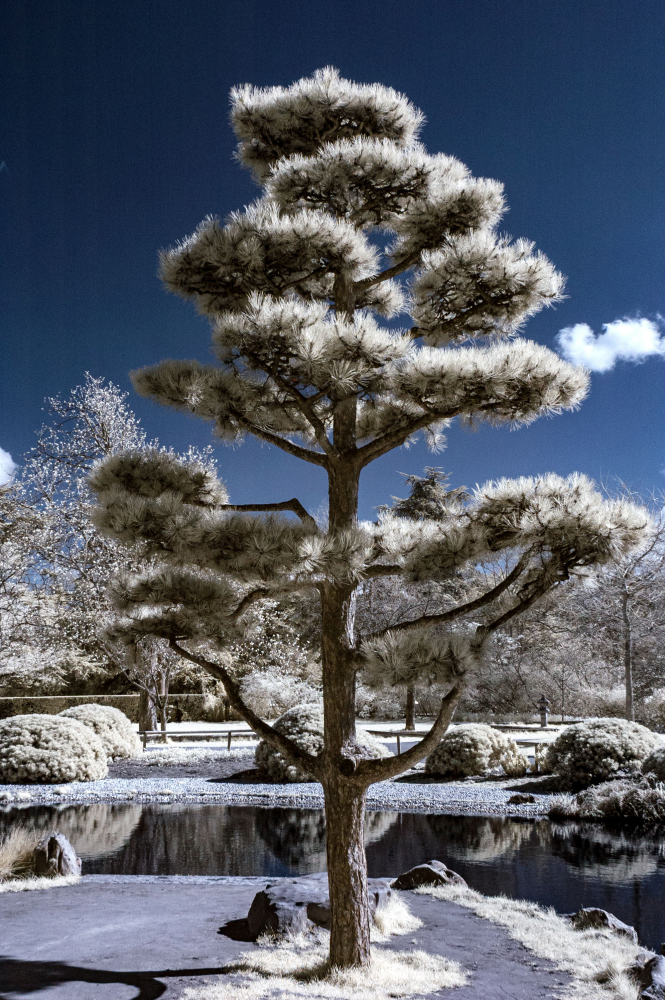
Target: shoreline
446, 798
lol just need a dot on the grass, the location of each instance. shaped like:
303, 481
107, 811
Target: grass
16, 853
597, 960
43, 882
16, 863
297, 967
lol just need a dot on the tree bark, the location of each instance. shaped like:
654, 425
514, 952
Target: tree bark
627, 656
347, 872
344, 794
147, 714
410, 711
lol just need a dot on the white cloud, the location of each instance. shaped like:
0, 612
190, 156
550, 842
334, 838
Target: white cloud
7, 466
623, 340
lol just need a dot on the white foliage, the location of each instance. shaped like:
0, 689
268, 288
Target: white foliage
48, 749
153, 472
300, 344
261, 250
450, 208
514, 382
118, 735
654, 762
274, 122
565, 518
271, 693
481, 285
473, 749
363, 180
598, 750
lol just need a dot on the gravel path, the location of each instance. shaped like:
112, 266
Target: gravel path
211, 780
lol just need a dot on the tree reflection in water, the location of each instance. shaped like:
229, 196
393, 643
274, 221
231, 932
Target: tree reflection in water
565, 865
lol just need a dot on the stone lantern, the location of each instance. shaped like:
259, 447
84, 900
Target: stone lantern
543, 708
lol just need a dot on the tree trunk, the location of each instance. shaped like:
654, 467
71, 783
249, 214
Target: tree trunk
147, 713
410, 721
344, 796
347, 873
627, 656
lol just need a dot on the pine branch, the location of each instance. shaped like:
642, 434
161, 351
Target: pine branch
307, 410
390, 272
369, 771
547, 583
261, 728
462, 609
293, 505
315, 457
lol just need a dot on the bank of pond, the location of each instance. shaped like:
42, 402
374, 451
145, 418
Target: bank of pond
561, 864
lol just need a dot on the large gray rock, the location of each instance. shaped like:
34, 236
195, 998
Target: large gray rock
649, 973
295, 905
430, 873
591, 917
54, 855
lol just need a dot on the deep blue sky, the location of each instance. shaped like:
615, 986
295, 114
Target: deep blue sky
117, 143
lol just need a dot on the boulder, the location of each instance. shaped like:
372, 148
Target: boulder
649, 973
54, 855
430, 873
593, 917
292, 906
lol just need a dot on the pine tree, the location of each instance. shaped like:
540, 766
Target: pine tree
292, 286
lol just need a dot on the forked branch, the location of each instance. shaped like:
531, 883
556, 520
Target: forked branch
462, 609
369, 771
261, 728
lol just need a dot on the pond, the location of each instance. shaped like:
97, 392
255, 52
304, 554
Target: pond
561, 865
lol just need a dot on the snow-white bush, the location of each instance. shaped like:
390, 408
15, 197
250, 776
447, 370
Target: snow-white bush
47, 749
304, 725
270, 694
114, 729
624, 799
654, 763
472, 749
379, 703
597, 750
651, 712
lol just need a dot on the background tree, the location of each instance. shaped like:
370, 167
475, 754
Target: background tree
290, 286
428, 498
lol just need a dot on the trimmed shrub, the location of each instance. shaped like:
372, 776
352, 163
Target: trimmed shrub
473, 749
655, 762
626, 800
114, 729
47, 749
599, 750
304, 725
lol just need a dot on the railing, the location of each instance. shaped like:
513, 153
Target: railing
180, 734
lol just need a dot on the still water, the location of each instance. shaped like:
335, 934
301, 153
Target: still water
561, 865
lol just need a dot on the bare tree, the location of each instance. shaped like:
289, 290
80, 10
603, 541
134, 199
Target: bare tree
290, 285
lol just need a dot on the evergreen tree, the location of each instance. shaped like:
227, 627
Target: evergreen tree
292, 285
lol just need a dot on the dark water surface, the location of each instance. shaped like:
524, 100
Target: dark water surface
561, 865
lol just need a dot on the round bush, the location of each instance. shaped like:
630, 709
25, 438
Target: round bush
599, 750
472, 749
114, 729
655, 762
304, 725
47, 749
